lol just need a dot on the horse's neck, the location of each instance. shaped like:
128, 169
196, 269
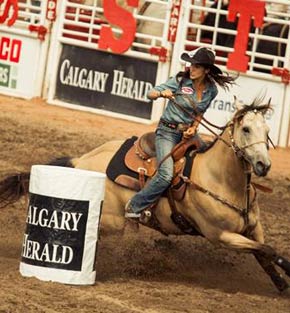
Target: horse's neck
220, 165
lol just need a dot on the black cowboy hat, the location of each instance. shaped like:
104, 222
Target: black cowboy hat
203, 56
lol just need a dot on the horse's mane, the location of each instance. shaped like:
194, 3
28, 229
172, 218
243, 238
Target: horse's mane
256, 105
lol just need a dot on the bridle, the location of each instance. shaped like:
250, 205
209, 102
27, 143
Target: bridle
240, 151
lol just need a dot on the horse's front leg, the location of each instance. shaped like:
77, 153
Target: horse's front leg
264, 254
277, 259
278, 280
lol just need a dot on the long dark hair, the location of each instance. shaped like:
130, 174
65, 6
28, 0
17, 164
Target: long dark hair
224, 80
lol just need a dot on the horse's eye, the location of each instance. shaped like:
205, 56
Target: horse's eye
246, 130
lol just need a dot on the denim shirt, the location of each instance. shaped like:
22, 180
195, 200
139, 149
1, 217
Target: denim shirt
175, 115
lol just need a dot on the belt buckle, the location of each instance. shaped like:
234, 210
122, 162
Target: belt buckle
182, 127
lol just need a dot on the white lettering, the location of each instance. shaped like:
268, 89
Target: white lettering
53, 222
82, 77
47, 253
3, 75
117, 83
76, 218
67, 255
43, 221
54, 219
129, 88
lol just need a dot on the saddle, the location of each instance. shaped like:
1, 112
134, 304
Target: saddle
139, 157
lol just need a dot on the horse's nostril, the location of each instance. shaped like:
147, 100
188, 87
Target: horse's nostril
260, 165
262, 168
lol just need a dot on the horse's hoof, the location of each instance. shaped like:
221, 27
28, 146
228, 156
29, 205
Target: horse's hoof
284, 264
285, 293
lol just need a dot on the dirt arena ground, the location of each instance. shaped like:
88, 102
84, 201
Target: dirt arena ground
139, 272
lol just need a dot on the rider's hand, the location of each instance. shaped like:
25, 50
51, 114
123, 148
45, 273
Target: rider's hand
189, 132
167, 93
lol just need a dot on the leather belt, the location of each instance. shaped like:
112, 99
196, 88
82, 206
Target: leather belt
177, 126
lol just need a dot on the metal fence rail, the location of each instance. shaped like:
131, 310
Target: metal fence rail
81, 22
268, 47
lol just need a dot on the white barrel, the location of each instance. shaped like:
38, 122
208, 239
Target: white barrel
62, 225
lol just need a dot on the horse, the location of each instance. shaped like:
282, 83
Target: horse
220, 200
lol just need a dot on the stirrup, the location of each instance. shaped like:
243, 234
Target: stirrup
129, 212
145, 217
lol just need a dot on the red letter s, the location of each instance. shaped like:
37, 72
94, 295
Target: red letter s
117, 15
5, 12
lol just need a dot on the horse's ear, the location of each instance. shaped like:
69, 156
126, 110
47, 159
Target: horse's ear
238, 104
267, 107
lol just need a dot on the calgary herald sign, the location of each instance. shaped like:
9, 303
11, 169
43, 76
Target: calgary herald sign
106, 81
55, 237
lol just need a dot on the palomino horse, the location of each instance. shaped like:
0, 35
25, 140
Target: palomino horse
220, 201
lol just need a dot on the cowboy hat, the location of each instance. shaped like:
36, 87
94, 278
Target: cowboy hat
203, 56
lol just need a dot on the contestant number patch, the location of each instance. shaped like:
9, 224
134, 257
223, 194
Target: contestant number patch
187, 90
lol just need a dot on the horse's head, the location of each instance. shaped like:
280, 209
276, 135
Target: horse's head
250, 136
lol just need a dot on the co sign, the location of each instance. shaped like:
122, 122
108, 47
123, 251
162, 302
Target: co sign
10, 49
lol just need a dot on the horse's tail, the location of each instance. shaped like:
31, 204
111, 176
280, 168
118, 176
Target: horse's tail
16, 185
13, 187
63, 161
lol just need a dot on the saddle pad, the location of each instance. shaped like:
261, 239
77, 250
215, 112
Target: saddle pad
117, 165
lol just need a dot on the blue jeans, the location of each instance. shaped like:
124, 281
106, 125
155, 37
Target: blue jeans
164, 143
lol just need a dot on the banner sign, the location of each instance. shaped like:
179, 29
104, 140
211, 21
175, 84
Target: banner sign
105, 81
10, 51
16, 65
55, 232
174, 20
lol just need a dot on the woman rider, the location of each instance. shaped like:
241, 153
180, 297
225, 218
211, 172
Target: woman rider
199, 83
